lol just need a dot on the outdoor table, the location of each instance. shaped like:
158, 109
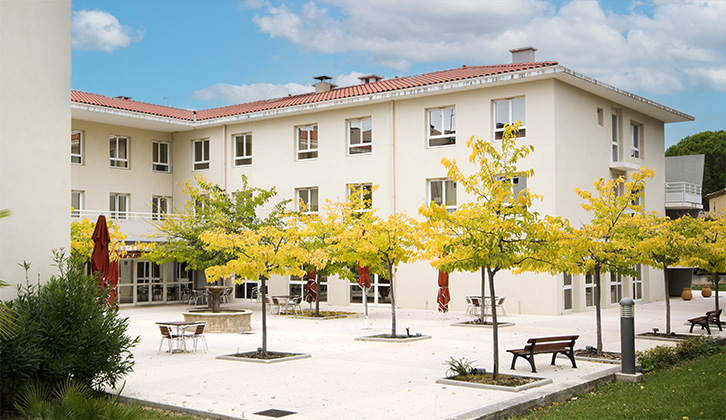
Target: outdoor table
282, 301
180, 327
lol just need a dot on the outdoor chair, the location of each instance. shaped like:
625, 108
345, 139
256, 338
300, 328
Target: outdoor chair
198, 297
196, 334
475, 305
294, 305
469, 305
500, 304
167, 333
275, 304
225, 296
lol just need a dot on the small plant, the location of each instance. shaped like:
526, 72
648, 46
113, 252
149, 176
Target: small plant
459, 367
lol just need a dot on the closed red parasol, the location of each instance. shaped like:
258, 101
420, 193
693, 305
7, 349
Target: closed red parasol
443, 297
99, 257
311, 287
364, 278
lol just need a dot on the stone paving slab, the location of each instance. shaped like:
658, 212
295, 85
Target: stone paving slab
352, 379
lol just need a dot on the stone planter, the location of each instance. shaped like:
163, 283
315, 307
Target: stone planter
225, 321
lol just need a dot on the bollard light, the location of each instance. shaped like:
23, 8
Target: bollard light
627, 336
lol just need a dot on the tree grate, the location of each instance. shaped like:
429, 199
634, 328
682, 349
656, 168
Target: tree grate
273, 412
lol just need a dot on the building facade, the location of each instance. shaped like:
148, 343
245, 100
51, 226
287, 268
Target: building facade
129, 160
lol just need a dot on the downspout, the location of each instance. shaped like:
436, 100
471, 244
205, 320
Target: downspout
393, 154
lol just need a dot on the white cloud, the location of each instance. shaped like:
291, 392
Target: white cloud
350, 79
238, 94
98, 30
657, 46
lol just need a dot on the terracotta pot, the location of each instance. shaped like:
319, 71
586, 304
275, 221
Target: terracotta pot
686, 294
706, 291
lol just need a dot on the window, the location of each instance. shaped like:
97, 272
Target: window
307, 199
118, 205
443, 192
616, 288
615, 123
307, 142
635, 140
442, 126
76, 147
589, 291
359, 136
160, 207
119, 152
638, 283
638, 196
76, 203
243, 149
378, 293
519, 184
160, 157
364, 192
506, 112
600, 117
567, 290
201, 154
297, 286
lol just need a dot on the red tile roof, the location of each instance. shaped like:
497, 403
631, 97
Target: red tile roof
309, 98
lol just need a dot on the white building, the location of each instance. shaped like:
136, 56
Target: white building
35, 79
387, 132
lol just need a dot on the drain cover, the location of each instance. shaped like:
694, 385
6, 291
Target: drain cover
275, 413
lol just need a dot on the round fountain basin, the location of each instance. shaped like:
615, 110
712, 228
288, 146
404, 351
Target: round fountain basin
225, 321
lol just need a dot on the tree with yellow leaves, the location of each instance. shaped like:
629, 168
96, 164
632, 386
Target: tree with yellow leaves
608, 242
256, 254
496, 231
709, 238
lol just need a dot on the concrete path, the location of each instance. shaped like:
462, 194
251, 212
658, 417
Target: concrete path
349, 379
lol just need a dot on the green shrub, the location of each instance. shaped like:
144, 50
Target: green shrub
64, 331
664, 356
71, 400
459, 366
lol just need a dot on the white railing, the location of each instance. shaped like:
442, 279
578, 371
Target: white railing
682, 192
120, 216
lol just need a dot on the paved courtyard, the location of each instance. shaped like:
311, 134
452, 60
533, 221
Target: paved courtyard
349, 379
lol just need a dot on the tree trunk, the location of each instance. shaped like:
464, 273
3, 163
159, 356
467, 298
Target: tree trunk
667, 299
393, 301
598, 312
317, 295
715, 288
483, 293
495, 327
264, 315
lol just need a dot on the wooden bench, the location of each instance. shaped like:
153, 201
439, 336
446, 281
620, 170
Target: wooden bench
563, 344
703, 321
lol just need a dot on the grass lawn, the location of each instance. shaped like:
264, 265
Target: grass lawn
721, 287
694, 390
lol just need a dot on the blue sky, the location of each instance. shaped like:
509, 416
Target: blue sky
204, 54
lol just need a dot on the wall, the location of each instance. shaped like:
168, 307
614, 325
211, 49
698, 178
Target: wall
35, 120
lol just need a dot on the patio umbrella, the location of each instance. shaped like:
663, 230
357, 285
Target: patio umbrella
443, 297
99, 258
364, 278
113, 284
311, 287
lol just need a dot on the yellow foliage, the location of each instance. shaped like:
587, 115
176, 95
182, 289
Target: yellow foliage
82, 241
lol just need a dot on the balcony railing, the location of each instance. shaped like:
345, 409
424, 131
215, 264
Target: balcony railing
120, 216
683, 195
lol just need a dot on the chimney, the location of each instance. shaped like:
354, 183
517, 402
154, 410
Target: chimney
122, 98
523, 55
323, 85
364, 80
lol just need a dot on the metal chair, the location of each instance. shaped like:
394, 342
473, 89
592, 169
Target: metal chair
196, 334
167, 333
294, 305
500, 304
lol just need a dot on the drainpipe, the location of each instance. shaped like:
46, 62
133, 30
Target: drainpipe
393, 154
224, 160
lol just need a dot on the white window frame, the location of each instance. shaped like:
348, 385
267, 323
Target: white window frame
160, 207
509, 102
200, 163
119, 206
242, 155
375, 292
616, 288
308, 151
638, 283
567, 292
115, 148
308, 199
636, 140
445, 199
77, 197
363, 146
77, 158
445, 137
361, 189
615, 137
162, 161
590, 290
